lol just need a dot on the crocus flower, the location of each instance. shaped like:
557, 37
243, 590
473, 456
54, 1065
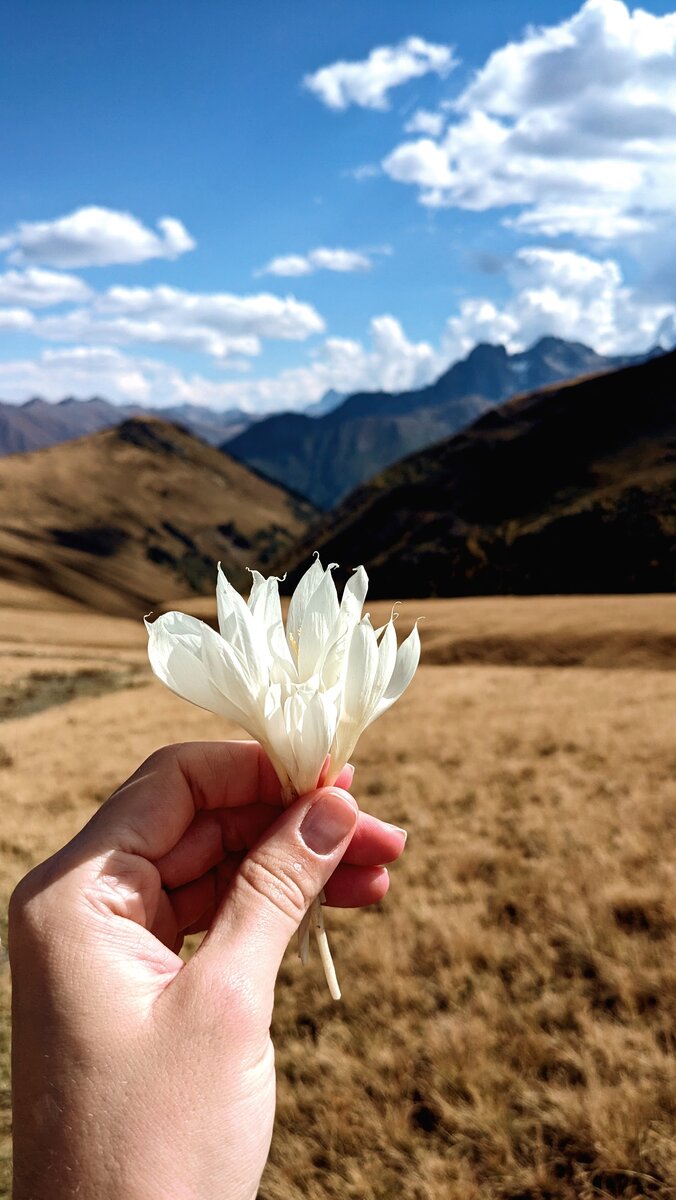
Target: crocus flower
306, 693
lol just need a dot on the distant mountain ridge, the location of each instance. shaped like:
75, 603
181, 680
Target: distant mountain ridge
571, 488
37, 423
326, 457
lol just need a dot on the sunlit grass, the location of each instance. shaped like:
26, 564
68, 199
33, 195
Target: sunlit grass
507, 1028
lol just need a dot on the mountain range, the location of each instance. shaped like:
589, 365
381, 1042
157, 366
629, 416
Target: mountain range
567, 489
38, 424
326, 457
128, 516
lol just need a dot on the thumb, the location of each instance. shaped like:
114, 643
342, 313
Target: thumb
277, 882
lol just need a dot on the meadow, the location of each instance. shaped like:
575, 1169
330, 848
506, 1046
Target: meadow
507, 1028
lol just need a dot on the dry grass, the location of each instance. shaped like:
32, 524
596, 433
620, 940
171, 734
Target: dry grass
508, 1025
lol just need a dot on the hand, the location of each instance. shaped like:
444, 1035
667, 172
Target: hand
135, 1074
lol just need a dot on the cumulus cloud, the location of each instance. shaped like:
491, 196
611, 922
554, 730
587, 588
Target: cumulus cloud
94, 237
321, 259
423, 121
391, 361
575, 124
560, 292
36, 288
566, 294
218, 324
83, 371
367, 83
16, 320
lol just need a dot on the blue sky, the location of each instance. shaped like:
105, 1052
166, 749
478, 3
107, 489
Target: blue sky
348, 194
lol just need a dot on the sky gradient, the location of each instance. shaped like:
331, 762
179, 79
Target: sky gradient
249, 204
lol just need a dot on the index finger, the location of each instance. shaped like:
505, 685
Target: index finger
151, 811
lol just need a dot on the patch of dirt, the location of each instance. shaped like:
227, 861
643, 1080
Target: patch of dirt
43, 689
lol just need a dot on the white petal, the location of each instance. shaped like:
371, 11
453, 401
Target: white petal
408, 657
311, 726
274, 736
387, 657
354, 595
319, 620
236, 679
239, 629
266, 610
362, 663
299, 601
175, 644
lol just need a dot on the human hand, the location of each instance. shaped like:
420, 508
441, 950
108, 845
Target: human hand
136, 1075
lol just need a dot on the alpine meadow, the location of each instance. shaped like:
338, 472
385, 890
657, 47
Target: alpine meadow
338, 369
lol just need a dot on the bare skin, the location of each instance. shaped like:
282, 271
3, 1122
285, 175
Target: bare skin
135, 1074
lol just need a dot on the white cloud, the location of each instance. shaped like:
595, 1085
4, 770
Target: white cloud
94, 237
288, 264
423, 121
368, 82
83, 371
321, 259
41, 289
568, 295
217, 324
575, 123
16, 320
391, 362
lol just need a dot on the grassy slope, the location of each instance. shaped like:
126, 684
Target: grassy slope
509, 1010
119, 518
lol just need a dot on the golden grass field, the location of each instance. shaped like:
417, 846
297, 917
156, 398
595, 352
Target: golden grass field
507, 1029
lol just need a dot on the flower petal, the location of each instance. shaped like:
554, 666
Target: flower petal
236, 679
408, 657
362, 663
266, 610
175, 651
354, 595
319, 620
239, 629
310, 725
307, 585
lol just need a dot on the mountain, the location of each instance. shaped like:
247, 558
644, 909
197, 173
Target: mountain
567, 489
128, 516
325, 404
207, 423
325, 457
38, 423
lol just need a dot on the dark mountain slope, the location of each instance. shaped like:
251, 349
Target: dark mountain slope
325, 457
569, 489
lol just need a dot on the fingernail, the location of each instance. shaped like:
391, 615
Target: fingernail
397, 829
350, 771
329, 820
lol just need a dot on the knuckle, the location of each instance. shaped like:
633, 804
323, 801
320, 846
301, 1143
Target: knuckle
28, 912
268, 876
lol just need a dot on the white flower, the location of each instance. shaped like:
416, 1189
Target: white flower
303, 693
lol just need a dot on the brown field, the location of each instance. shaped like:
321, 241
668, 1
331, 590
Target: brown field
507, 1029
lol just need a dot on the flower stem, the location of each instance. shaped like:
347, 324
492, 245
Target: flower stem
314, 917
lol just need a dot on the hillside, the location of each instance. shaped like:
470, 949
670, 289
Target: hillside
38, 424
125, 517
326, 457
568, 489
